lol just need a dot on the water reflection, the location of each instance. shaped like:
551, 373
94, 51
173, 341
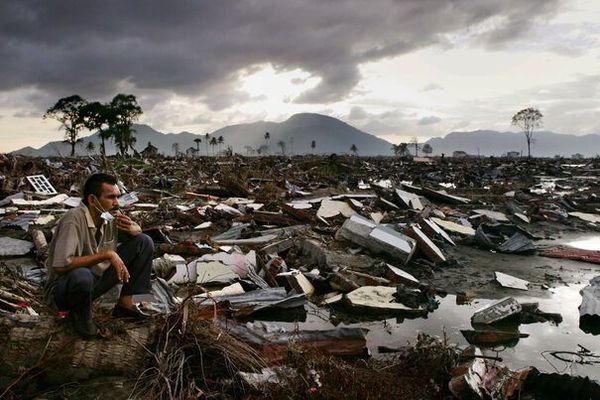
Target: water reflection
455, 314
451, 317
592, 243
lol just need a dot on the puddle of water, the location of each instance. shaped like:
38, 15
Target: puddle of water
451, 318
543, 337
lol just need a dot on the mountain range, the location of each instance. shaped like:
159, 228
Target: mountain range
296, 134
545, 144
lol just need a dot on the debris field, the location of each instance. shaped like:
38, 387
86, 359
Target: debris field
270, 272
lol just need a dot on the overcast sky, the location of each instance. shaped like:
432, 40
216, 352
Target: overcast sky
394, 68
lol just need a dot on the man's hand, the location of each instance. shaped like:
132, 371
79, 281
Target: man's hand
119, 266
126, 224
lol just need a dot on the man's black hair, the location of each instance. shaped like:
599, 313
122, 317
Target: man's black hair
93, 185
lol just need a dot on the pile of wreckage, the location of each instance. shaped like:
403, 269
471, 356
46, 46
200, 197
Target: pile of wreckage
247, 239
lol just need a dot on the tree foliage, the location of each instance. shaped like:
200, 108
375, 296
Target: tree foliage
220, 141
124, 111
528, 119
265, 149
427, 149
282, 147
213, 143
401, 150
97, 117
67, 111
112, 120
262, 149
90, 147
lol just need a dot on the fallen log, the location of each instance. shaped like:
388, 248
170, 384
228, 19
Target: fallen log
46, 346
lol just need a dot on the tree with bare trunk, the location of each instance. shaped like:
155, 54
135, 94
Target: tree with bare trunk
528, 119
67, 111
415, 142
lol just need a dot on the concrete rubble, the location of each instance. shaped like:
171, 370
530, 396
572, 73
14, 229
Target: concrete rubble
590, 302
501, 309
374, 238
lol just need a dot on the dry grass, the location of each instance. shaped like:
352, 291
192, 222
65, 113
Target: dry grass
419, 372
193, 357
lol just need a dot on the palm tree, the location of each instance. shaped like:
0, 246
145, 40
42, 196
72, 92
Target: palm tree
313, 145
354, 149
401, 150
262, 149
206, 142
267, 138
90, 147
198, 141
221, 141
213, 142
281, 145
175, 147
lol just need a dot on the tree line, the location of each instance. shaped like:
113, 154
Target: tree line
112, 120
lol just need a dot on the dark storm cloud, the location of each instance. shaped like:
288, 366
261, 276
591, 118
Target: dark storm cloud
198, 48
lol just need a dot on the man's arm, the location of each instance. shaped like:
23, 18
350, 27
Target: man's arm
93, 259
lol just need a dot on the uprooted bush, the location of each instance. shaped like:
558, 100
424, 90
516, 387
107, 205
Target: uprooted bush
194, 358
419, 372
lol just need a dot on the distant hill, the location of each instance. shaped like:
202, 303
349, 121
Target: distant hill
143, 135
486, 143
330, 134
334, 136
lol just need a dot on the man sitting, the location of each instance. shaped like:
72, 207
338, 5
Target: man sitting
84, 261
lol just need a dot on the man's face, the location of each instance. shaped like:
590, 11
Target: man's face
108, 199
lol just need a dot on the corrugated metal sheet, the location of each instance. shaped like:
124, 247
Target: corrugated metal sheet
590, 256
